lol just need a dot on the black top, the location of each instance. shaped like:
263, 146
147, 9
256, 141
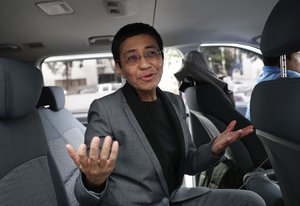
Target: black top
166, 137
158, 135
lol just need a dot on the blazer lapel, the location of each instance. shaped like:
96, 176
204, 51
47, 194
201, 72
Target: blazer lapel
177, 128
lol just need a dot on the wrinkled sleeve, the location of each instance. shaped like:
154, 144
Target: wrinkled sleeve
85, 196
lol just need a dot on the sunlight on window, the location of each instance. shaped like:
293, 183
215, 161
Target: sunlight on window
172, 63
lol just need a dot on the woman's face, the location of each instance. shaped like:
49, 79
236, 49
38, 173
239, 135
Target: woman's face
141, 64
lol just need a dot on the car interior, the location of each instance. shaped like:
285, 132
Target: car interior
55, 59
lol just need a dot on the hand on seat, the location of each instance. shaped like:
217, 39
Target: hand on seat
99, 164
228, 136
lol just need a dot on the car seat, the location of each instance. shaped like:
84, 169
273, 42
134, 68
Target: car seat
28, 172
275, 114
208, 96
61, 128
275, 104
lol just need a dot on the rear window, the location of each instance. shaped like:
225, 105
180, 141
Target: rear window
88, 77
238, 67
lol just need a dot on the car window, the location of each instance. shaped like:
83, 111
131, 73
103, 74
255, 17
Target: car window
85, 78
238, 67
80, 78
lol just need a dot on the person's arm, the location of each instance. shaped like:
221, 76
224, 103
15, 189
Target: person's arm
96, 161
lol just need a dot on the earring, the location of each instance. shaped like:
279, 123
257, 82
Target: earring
123, 79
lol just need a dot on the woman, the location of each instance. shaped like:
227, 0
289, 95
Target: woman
146, 145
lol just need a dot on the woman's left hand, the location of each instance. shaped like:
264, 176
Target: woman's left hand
228, 136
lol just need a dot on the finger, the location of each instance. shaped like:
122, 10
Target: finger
220, 145
113, 154
247, 130
106, 149
73, 154
234, 136
94, 150
83, 161
230, 127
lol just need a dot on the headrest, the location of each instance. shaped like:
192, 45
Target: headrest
281, 33
53, 97
196, 67
20, 88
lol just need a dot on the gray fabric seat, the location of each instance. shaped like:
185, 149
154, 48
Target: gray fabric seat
28, 173
61, 128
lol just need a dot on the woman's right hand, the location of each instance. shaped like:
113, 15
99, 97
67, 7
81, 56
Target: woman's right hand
98, 165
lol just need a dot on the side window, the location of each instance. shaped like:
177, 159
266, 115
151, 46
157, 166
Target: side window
238, 67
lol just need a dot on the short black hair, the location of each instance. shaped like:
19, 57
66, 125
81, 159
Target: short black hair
271, 61
274, 61
130, 30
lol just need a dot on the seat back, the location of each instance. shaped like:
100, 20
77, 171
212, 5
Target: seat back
276, 108
61, 128
248, 153
280, 150
207, 94
28, 174
202, 127
275, 113
212, 102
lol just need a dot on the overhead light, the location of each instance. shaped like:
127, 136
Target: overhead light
9, 47
101, 40
53, 8
114, 8
34, 45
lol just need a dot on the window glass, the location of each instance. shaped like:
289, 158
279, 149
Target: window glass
83, 80
87, 78
238, 67
172, 63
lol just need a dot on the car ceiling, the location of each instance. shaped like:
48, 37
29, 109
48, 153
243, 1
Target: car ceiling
181, 23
